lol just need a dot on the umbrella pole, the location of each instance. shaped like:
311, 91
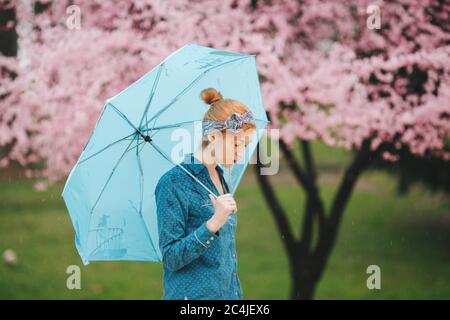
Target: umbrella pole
230, 181
161, 152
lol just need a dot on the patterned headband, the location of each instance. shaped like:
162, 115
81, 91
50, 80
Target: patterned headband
235, 122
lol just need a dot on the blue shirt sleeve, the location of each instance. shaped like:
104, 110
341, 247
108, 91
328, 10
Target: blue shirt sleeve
177, 247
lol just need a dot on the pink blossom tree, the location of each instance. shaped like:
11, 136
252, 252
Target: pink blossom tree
325, 75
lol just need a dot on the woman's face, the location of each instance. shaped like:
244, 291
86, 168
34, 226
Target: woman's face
229, 147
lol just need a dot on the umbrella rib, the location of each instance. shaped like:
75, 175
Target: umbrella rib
141, 179
141, 171
183, 123
106, 147
191, 84
151, 95
110, 175
154, 134
140, 143
143, 141
183, 168
145, 130
169, 126
154, 124
123, 116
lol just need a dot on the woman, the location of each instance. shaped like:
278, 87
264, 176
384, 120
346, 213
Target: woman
197, 230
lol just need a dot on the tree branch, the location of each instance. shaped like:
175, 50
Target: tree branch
314, 207
327, 240
313, 202
276, 208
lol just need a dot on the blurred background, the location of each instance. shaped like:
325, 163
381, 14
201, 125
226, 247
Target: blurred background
358, 94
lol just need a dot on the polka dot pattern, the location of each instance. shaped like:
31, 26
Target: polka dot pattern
197, 264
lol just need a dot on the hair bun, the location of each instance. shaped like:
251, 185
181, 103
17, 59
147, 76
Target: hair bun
210, 95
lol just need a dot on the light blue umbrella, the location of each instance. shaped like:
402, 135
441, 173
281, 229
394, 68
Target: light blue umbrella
110, 191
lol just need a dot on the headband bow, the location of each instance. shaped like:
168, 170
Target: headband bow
234, 122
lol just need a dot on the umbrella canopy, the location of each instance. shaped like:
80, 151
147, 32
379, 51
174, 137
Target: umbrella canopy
109, 193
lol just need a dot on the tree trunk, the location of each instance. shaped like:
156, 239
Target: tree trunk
307, 260
303, 280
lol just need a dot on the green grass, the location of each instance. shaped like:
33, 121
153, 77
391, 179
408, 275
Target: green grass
408, 237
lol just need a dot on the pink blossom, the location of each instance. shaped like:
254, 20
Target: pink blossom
344, 82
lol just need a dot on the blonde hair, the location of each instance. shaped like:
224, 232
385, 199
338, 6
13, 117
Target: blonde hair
220, 109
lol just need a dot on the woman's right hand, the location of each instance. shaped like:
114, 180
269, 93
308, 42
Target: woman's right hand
223, 206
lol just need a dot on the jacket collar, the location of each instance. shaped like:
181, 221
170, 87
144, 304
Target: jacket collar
195, 165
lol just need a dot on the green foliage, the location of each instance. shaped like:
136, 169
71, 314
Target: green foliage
407, 237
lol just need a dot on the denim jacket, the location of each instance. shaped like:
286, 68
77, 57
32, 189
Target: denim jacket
197, 263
